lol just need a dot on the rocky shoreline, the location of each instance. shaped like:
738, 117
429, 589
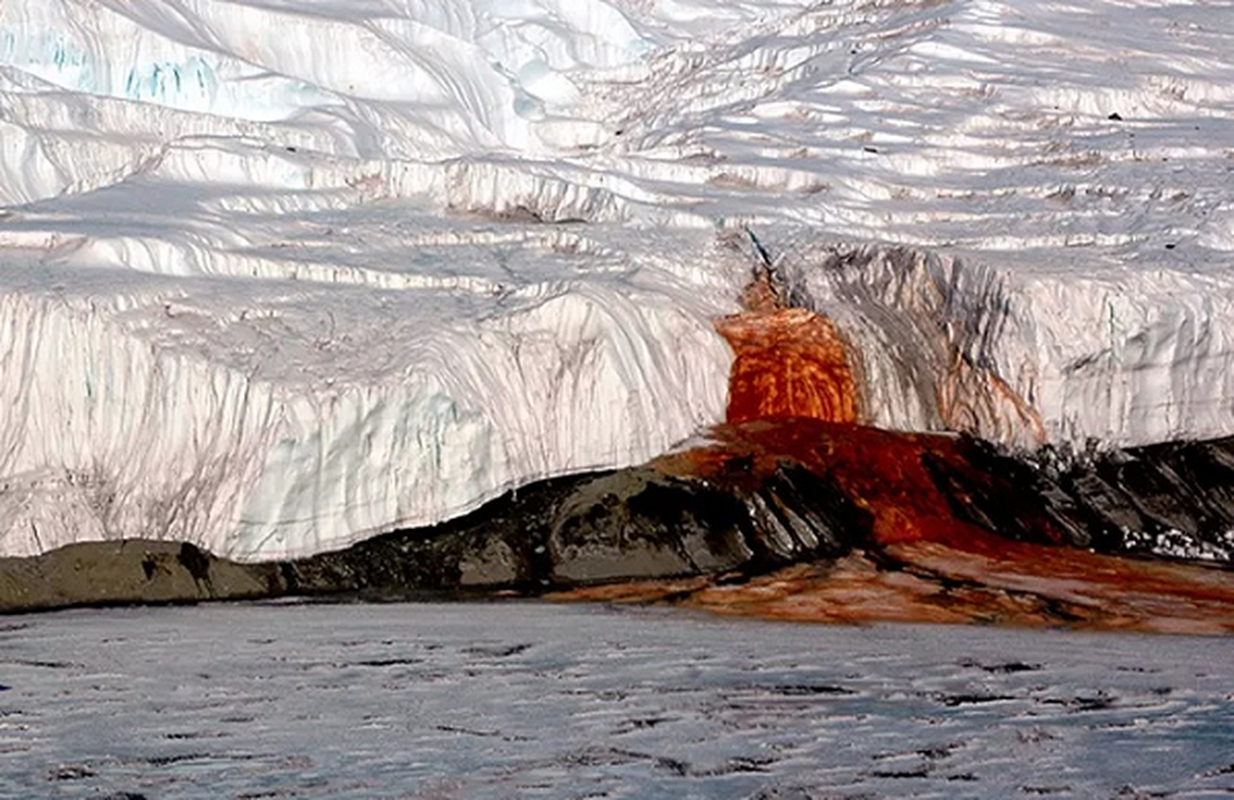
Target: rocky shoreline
797, 519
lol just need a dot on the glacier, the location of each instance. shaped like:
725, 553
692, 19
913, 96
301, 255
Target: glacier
278, 276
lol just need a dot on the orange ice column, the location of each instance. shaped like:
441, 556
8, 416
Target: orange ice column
792, 371
790, 362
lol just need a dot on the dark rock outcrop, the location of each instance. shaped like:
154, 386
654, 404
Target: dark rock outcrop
131, 571
1173, 500
624, 525
566, 532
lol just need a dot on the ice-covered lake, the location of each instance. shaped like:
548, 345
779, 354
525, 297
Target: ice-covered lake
505, 700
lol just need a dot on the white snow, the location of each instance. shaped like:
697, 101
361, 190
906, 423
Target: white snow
280, 275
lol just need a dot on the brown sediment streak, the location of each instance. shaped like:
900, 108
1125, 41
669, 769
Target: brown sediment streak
1014, 583
789, 362
943, 585
1027, 585
965, 394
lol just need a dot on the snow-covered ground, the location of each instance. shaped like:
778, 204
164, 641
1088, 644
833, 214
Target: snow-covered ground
514, 700
275, 275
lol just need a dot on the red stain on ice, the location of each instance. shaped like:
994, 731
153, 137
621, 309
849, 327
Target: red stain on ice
789, 363
793, 397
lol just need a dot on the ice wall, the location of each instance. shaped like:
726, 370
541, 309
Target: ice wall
263, 426
276, 276
1016, 355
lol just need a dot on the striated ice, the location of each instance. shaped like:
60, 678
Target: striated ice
276, 276
305, 418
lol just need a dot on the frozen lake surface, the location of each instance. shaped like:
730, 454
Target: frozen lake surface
278, 276
503, 700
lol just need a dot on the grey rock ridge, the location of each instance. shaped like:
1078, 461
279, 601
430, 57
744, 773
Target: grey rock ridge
556, 534
1174, 501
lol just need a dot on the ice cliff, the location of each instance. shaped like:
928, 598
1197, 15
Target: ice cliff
278, 276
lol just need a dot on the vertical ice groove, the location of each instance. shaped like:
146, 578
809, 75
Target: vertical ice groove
143, 452
953, 343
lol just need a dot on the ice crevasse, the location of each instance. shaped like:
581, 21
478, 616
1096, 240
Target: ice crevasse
275, 277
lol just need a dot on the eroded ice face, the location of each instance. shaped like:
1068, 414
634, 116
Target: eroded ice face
278, 276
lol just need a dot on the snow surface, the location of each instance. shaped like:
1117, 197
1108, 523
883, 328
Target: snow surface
510, 700
275, 276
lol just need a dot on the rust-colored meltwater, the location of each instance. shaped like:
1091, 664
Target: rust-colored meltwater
920, 557
788, 363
